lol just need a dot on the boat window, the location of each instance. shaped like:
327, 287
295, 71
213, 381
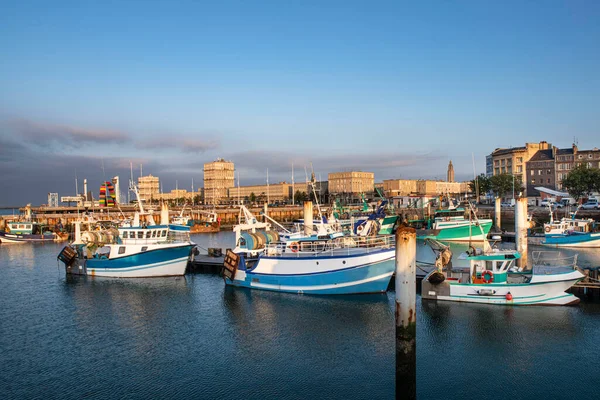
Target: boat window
148, 234
27, 226
144, 248
122, 250
132, 235
140, 235
21, 226
164, 233
154, 234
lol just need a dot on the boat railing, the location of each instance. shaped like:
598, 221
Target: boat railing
551, 262
346, 245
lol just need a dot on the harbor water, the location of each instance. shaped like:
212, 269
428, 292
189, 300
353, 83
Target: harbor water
192, 337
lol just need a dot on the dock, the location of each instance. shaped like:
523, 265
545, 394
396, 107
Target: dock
211, 262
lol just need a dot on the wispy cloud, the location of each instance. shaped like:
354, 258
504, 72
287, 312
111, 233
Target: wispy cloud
182, 143
43, 133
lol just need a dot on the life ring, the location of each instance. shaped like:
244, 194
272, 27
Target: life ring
487, 276
547, 229
360, 228
294, 247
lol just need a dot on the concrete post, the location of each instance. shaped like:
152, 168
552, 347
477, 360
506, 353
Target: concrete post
164, 214
406, 313
498, 214
521, 225
308, 217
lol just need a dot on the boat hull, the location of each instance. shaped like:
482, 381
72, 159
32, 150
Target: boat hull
323, 275
546, 290
6, 237
459, 232
574, 240
168, 261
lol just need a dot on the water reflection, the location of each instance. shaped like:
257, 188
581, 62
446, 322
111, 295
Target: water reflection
139, 309
324, 321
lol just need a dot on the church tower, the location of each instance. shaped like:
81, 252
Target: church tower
450, 172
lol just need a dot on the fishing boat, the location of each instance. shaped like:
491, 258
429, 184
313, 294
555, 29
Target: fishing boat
346, 265
139, 251
571, 232
208, 223
31, 232
453, 225
492, 277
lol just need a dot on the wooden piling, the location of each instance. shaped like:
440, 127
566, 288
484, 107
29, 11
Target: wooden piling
406, 313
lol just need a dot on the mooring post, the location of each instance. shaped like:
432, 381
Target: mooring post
406, 313
499, 214
308, 217
521, 225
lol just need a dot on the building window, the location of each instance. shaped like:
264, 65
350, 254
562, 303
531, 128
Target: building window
539, 171
548, 181
580, 156
549, 172
519, 159
590, 155
533, 181
532, 172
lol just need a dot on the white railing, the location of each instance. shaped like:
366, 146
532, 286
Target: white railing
552, 262
340, 246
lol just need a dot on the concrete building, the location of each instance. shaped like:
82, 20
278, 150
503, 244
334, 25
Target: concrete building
177, 194
512, 160
354, 182
399, 187
450, 177
149, 187
489, 165
219, 177
412, 187
540, 171
278, 192
567, 159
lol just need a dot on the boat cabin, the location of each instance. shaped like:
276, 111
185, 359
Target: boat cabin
567, 225
490, 267
24, 228
457, 214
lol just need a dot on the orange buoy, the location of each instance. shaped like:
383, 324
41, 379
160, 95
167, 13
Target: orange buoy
509, 296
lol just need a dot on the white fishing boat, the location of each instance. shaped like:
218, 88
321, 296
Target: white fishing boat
493, 278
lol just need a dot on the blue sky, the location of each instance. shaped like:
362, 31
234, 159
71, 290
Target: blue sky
392, 87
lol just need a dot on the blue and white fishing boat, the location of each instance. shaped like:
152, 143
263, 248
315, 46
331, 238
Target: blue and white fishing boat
571, 232
347, 265
139, 251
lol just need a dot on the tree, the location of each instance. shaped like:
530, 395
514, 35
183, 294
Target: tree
484, 184
581, 181
300, 197
252, 197
503, 183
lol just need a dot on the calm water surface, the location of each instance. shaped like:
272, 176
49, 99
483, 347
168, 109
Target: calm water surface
191, 337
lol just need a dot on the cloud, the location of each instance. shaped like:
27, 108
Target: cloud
185, 144
44, 133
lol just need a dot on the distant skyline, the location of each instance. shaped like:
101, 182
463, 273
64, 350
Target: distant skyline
395, 88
